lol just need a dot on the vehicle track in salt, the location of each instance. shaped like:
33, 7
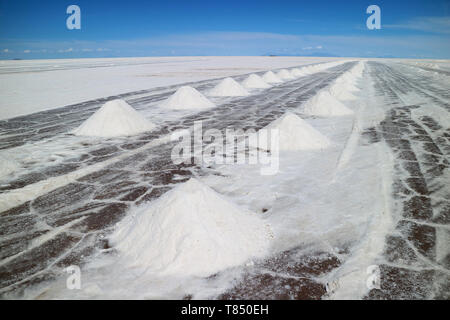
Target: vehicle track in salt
416, 259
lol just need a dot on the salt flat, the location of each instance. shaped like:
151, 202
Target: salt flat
36, 85
375, 194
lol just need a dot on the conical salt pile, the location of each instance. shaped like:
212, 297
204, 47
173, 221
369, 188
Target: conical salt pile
357, 70
307, 70
186, 98
255, 82
339, 91
297, 73
115, 118
271, 77
285, 75
295, 134
347, 80
325, 105
228, 87
190, 230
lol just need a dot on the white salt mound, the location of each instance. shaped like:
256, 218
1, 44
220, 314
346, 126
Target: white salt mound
254, 81
307, 70
285, 75
357, 70
296, 72
296, 134
325, 105
347, 80
339, 91
228, 87
190, 230
186, 98
271, 77
7, 166
115, 118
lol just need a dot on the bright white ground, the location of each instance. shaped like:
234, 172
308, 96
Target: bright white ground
35, 85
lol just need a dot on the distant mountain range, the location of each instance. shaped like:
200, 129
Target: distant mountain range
312, 54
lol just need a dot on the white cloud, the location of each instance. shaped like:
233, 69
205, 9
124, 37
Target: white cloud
427, 24
311, 48
26, 51
248, 43
65, 50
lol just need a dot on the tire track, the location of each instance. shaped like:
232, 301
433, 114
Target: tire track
416, 260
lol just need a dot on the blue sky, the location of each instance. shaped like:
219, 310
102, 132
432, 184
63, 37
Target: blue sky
37, 29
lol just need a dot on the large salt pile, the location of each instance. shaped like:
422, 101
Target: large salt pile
228, 87
186, 98
115, 118
284, 74
271, 77
190, 230
324, 104
295, 134
254, 81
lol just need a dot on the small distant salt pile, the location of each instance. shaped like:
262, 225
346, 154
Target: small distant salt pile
308, 70
186, 98
271, 77
295, 134
285, 75
357, 70
255, 82
297, 73
345, 84
7, 166
347, 80
114, 119
228, 87
325, 105
315, 67
190, 230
